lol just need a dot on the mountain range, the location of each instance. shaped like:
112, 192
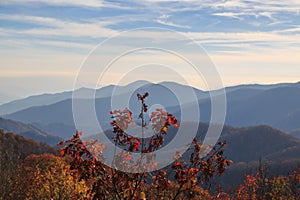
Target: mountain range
262, 121
28, 131
276, 105
248, 148
246, 144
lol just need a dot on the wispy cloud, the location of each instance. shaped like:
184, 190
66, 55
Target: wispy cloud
57, 27
164, 19
23, 44
97, 29
88, 3
295, 30
249, 41
229, 14
75, 3
160, 21
240, 5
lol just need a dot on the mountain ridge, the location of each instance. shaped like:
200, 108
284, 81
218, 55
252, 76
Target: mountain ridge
41, 99
28, 131
245, 106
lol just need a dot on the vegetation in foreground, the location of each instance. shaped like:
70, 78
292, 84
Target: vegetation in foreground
34, 171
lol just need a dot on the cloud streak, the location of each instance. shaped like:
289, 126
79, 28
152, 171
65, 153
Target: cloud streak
56, 27
96, 29
88, 3
172, 24
75, 3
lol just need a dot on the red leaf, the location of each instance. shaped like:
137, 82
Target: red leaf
136, 147
62, 152
176, 125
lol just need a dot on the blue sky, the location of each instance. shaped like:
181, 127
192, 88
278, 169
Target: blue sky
43, 42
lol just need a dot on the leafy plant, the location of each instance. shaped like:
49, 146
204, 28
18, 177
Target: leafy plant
180, 180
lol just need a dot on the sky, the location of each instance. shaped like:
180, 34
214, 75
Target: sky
44, 42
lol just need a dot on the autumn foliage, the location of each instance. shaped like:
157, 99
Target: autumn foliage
259, 186
179, 181
31, 170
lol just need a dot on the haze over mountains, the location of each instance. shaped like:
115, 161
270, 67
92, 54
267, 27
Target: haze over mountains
28, 131
247, 146
255, 113
276, 105
5, 98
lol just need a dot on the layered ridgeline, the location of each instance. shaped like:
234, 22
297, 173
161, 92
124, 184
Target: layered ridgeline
258, 147
28, 131
251, 148
247, 105
247, 144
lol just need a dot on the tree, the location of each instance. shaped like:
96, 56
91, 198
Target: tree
46, 177
259, 186
179, 181
13, 149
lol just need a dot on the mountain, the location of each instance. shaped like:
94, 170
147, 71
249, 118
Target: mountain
268, 107
37, 100
17, 144
59, 115
260, 86
107, 91
278, 152
28, 131
246, 146
47, 99
247, 105
278, 107
251, 143
60, 130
